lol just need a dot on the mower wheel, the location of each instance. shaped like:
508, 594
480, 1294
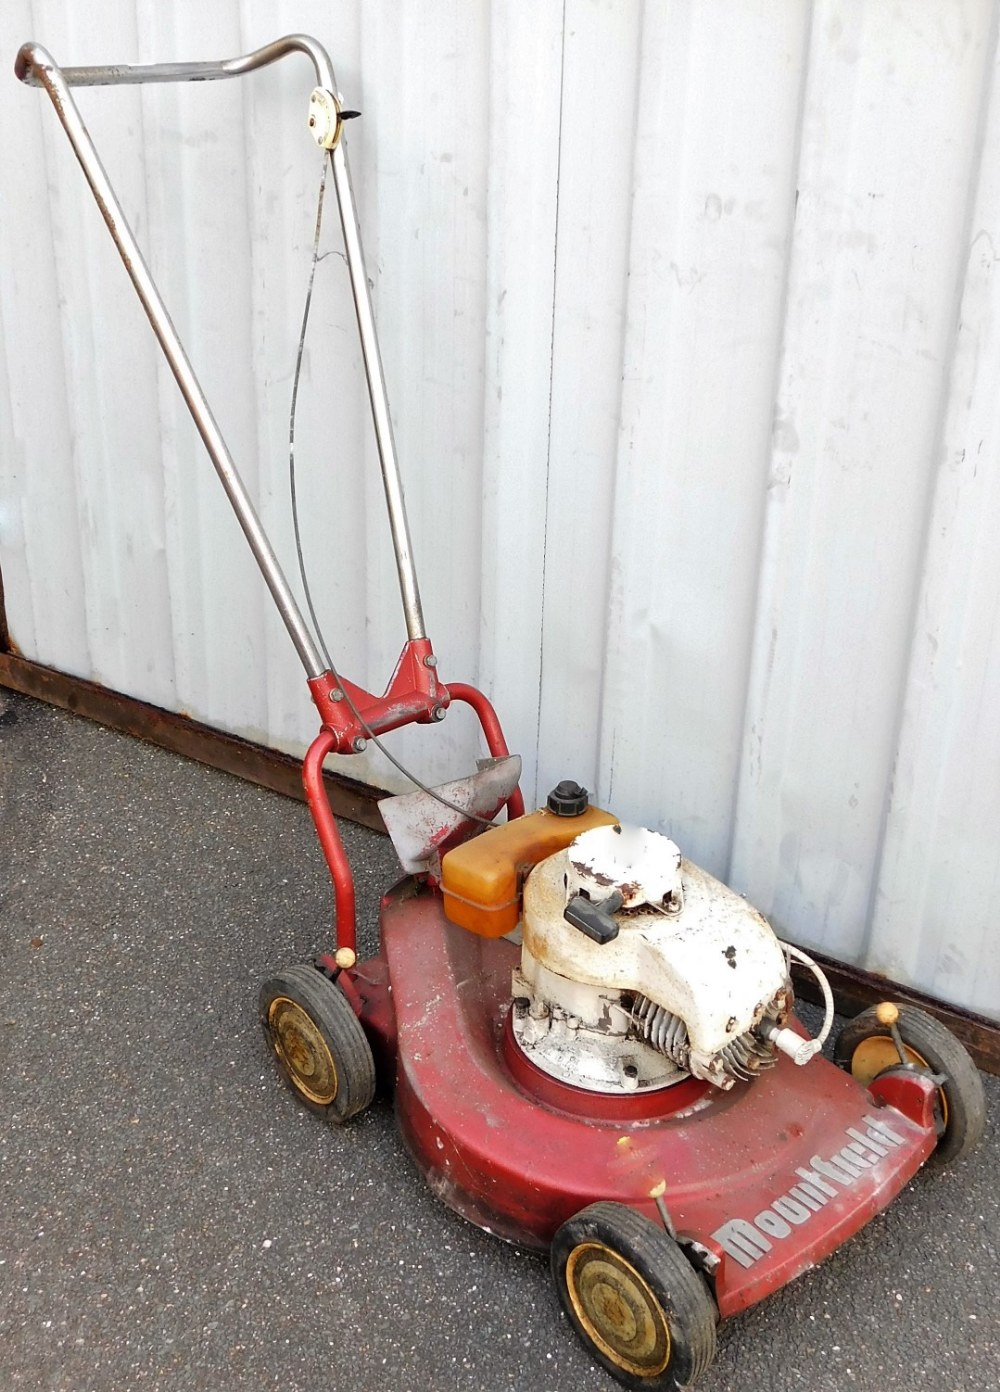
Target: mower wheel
866, 1049
634, 1299
318, 1041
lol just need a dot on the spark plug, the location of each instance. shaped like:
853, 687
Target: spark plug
799, 1050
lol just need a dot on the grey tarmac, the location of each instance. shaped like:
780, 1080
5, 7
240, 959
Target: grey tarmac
172, 1221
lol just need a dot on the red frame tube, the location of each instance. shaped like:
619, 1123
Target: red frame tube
495, 742
345, 921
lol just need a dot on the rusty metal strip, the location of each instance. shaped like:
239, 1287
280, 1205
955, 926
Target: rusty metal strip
854, 990
6, 642
181, 735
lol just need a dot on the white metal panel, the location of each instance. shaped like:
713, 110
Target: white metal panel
719, 93
939, 877
689, 325
522, 208
591, 278
889, 145
202, 251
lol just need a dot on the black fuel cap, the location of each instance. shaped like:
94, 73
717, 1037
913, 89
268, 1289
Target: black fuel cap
568, 799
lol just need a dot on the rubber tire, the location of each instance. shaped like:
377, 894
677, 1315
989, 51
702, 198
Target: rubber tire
963, 1088
681, 1294
339, 1029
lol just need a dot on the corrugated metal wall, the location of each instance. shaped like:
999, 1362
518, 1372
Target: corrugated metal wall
689, 319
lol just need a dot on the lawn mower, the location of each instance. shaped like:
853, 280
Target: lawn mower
591, 1042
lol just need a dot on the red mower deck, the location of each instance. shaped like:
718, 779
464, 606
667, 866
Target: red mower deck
769, 1178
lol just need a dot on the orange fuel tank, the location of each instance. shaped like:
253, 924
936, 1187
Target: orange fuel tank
481, 880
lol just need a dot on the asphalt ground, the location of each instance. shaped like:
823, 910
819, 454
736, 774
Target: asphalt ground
170, 1218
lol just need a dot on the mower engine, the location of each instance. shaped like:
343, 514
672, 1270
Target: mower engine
638, 969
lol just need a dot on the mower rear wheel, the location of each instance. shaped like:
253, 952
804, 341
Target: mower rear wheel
317, 1039
866, 1049
633, 1298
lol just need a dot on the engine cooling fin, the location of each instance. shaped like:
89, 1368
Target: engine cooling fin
742, 1058
747, 1056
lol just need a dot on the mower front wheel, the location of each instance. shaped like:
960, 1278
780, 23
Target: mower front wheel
866, 1049
318, 1042
633, 1298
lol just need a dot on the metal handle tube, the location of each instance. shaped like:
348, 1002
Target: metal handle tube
391, 480
27, 66
36, 67
36, 60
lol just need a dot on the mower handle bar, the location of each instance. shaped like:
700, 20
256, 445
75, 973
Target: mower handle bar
36, 67
124, 73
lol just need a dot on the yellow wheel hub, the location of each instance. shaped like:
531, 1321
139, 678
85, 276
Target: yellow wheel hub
877, 1053
619, 1312
300, 1046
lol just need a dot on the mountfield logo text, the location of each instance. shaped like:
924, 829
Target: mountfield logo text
746, 1242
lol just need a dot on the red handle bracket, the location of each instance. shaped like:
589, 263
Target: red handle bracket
413, 696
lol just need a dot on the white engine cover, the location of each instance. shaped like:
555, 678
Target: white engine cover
708, 957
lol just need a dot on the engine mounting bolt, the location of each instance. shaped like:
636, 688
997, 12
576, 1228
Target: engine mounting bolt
359, 745
345, 958
886, 1013
336, 694
430, 660
438, 712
